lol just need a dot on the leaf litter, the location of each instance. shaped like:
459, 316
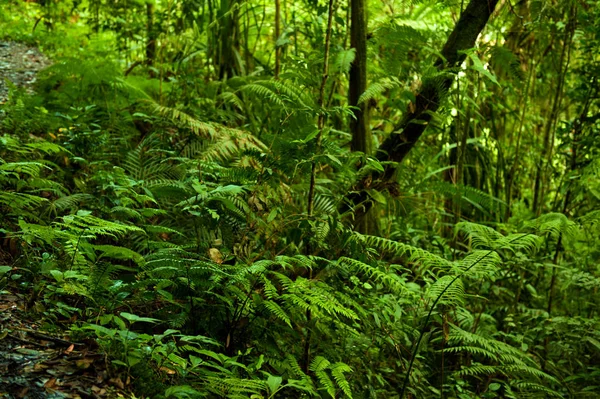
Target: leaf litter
37, 364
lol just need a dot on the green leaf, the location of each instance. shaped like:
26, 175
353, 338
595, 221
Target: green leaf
58, 275
494, 386
334, 159
377, 196
134, 318
309, 137
119, 363
344, 60
272, 215
182, 391
274, 382
594, 342
375, 164
479, 67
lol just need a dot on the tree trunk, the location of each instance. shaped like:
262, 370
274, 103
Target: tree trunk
277, 34
359, 124
359, 121
228, 37
151, 38
397, 146
543, 170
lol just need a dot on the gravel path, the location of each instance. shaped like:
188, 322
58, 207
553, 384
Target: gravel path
19, 64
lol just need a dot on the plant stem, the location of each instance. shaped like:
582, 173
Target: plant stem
313, 171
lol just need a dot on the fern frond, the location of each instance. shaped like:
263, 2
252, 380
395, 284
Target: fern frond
554, 224
505, 62
415, 254
183, 119
391, 280
114, 252
277, 311
377, 89
337, 371
343, 60
91, 226
452, 291
481, 236
480, 262
69, 202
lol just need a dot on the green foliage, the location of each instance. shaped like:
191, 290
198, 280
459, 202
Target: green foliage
154, 195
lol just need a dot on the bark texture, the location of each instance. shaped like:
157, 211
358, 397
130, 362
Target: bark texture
229, 44
359, 124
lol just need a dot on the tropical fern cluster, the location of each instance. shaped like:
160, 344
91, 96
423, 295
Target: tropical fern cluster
164, 213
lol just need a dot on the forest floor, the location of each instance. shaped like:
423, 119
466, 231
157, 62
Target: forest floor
35, 363
19, 64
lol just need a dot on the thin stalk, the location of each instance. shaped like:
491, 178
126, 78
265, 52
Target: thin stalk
313, 172
573, 167
277, 34
548, 144
77, 248
321, 118
513, 169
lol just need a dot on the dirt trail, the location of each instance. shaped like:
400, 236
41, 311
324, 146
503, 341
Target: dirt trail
19, 64
36, 364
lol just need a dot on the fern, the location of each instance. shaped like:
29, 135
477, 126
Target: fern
417, 255
378, 88
344, 60
480, 200
282, 93
555, 225
395, 283
321, 365
183, 119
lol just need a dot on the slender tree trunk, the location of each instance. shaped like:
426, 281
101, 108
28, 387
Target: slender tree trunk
397, 146
513, 170
572, 167
277, 34
549, 132
463, 130
151, 37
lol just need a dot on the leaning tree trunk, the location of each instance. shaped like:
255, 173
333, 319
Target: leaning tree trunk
397, 146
